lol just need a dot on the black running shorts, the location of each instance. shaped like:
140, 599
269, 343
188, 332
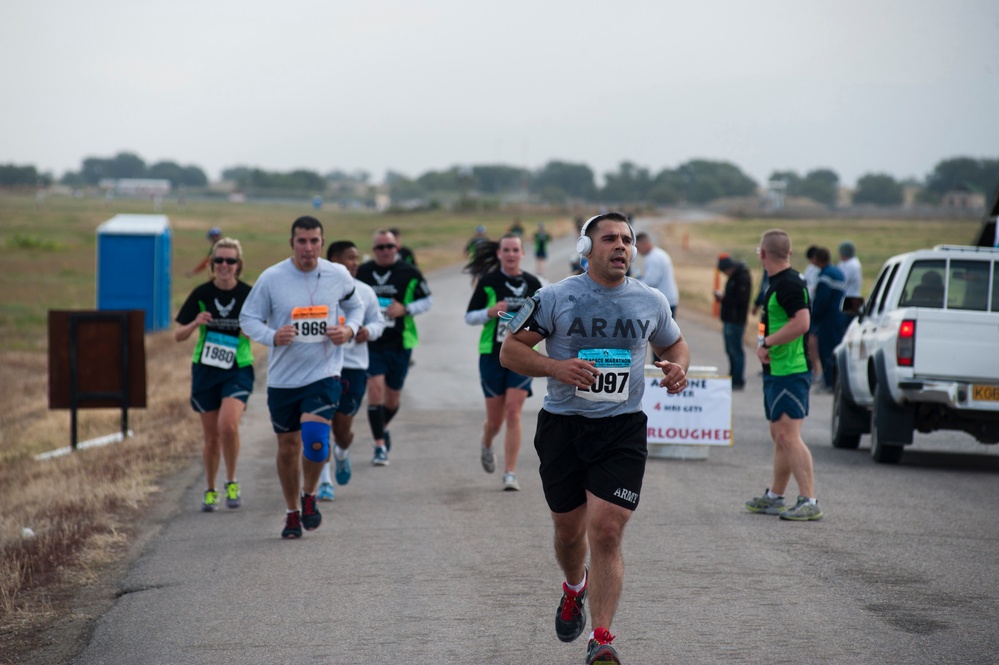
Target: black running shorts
605, 456
210, 385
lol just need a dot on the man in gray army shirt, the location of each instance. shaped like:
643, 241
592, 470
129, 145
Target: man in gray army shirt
592, 432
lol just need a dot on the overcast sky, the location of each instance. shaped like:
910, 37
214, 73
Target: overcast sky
859, 86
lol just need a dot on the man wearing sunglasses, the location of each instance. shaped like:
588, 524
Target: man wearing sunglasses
402, 294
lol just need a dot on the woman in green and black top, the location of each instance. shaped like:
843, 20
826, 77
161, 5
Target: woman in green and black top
503, 288
222, 369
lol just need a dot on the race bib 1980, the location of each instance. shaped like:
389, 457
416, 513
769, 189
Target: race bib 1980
219, 350
615, 371
310, 323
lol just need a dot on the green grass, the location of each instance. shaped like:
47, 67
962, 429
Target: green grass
24, 241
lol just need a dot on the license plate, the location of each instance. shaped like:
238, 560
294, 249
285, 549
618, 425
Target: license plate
985, 393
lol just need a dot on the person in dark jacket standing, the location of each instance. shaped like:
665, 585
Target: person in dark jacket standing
734, 311
828, 324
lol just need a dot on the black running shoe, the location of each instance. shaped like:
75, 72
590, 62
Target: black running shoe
311, 519
570, 617
599, 651
292, 525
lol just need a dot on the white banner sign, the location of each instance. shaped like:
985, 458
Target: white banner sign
700, 415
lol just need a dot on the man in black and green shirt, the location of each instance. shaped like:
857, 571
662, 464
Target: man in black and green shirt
402, 294
787, 378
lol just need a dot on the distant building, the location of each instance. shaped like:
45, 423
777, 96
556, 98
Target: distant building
774, 197
844, 197
910, 194
135, 187
964, 197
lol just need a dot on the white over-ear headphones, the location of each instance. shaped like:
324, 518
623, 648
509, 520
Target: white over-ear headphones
584, 244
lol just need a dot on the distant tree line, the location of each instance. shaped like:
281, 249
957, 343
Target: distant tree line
559, 182
258, 181
129, 165
12, 175
979, 175
697, 181
820, 185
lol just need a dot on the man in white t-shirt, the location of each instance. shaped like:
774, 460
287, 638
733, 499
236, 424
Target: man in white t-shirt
657, 269
353, 378
850, 266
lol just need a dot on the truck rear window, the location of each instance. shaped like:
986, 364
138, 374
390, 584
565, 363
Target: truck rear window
925, 285
968, 285
960, 283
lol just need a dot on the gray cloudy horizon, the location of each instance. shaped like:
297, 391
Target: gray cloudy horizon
858, 87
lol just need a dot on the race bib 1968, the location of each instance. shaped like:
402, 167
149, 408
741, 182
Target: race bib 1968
310, 323
219, 350
615, 371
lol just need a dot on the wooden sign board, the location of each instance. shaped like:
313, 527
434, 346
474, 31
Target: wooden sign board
109, 351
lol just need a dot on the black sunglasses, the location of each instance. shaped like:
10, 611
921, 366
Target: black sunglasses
224, 259
384, 247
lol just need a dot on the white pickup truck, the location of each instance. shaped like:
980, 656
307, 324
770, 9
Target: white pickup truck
922, 353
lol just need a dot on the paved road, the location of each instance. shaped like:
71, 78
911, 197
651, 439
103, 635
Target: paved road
428, 561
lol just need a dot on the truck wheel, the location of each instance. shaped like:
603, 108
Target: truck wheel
883, 449
844, 427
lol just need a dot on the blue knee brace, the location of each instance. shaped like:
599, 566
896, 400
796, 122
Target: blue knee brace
315, 434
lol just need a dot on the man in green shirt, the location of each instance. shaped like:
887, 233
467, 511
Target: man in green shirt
787, 378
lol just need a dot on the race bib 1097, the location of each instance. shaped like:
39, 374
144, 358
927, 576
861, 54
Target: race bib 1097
615, 372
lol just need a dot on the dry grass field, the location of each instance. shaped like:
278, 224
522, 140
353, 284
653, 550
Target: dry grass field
85, 509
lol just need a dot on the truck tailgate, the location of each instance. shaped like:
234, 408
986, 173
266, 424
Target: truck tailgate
957, 344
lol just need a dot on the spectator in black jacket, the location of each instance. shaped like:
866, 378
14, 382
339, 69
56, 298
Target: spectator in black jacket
734, 310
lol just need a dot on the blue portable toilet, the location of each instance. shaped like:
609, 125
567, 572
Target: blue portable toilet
133, 266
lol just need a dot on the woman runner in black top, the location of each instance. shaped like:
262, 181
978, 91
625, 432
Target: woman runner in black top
222, 366
503, 288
